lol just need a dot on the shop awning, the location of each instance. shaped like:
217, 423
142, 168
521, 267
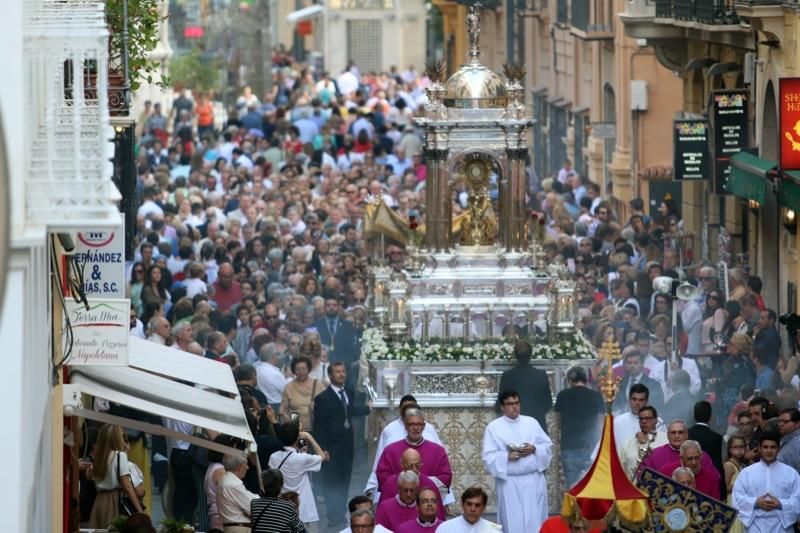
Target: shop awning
149, 384
748, 177
789, 193
305, 13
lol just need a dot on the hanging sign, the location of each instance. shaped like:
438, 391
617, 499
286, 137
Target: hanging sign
101, 254
729, 122
789, 130
99, 333
690, 142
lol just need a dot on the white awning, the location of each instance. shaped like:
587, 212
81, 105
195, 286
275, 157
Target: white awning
146, 386
305, 13
177, 364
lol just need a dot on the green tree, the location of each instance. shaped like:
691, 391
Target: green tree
143, 17
194, 71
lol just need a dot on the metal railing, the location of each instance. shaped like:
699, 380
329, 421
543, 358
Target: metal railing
702, 11
664, 8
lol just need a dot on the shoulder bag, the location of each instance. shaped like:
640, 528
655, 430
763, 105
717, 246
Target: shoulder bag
124, 507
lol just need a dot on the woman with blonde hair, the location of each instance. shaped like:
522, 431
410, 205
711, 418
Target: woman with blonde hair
111, 473
312, 348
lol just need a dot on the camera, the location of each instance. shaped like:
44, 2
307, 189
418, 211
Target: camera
790, 320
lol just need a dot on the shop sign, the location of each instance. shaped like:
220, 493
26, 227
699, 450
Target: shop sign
99, 331
690, 143
100, 253
789, 113
730, 132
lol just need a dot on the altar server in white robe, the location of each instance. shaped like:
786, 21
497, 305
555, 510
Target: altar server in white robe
473, 502
516, 451
393, 432
767, 493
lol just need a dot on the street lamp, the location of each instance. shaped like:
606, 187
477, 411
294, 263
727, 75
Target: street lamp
684, 291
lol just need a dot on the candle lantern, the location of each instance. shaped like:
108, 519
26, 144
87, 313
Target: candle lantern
399, 316
563, 303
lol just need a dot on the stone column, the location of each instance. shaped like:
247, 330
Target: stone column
438, 230
515, 235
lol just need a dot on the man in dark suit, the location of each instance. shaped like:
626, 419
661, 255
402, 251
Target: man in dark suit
341, 338
634, 373
681, 404
530, 383
709, 440
333, 429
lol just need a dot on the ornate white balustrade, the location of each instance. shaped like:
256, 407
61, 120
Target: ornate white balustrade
68, 135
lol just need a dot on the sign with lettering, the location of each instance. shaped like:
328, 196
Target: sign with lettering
789, 110
604, 130
730, 132
690, 142
99, 333
101, 255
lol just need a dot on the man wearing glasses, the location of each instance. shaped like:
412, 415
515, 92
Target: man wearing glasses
639, 446
670, 453
789, 428
627, 425
517, 452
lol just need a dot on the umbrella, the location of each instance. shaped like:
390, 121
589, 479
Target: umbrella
605, 492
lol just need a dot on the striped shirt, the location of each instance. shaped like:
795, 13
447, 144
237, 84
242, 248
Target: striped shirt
279, 517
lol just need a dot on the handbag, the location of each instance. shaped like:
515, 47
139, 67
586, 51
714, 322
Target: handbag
124, 507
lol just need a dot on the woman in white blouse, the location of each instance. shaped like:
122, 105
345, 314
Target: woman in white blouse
111, 473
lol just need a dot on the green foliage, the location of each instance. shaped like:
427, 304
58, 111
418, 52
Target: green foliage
195, 72
118, 524
170, 525
143, 20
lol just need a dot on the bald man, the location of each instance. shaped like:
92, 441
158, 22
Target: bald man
227, 291
412, 460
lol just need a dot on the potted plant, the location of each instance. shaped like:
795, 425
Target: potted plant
170, 525
118, 524
139, 37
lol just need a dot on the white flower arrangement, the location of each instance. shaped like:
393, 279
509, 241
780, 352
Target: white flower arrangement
375, 346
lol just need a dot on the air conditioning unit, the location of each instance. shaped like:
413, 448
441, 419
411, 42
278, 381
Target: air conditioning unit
638, 95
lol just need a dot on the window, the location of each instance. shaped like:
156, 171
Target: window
365, 44
562, 11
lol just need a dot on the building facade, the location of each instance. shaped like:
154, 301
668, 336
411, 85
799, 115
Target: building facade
375, 34
746, 46
56, 127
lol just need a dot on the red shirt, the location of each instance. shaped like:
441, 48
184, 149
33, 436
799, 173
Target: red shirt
227, 298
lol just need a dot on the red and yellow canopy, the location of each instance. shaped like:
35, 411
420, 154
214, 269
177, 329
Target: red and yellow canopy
605, 491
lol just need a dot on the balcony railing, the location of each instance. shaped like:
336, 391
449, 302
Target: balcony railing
66, 53
702, 11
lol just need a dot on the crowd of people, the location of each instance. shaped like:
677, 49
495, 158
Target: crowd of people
250, 251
